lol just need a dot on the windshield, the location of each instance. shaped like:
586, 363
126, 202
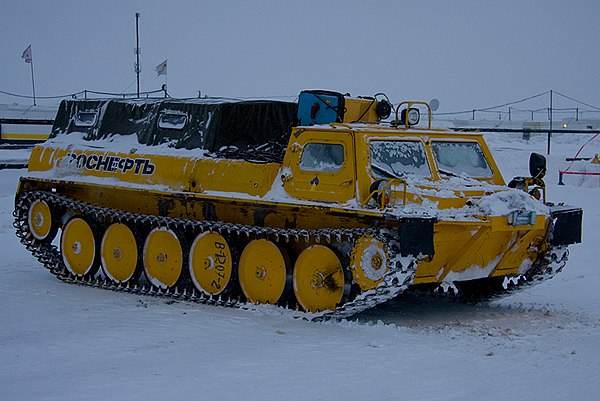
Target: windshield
398, 158
461, 158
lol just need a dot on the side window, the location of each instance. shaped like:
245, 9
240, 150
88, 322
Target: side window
172, 121
323, 157
86, 118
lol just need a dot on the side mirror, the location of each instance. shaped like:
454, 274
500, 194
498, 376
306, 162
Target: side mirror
537, 165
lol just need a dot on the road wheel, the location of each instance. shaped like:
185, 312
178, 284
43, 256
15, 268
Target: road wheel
319, 279
78, 247
39, 219
119, 253
263, 272
162, 258
210, 263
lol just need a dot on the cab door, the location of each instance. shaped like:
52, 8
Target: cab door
320, 166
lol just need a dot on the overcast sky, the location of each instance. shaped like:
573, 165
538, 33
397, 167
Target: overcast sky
468, 54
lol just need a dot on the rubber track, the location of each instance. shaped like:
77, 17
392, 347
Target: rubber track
397, 280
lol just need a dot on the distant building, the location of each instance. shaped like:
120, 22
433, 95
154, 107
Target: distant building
21, 124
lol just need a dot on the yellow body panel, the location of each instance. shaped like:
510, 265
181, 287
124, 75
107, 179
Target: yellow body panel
492, 246
189, 174
360, 110
331, 186
201, 206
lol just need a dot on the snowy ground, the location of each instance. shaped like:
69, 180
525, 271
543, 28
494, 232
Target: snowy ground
64, 342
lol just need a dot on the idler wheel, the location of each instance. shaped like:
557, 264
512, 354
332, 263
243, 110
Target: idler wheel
263, 272
368, 262
119, 253
39, 219
210, 263
319, 280
162, 257
78, 247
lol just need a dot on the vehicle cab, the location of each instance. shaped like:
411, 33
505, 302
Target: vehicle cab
387, 164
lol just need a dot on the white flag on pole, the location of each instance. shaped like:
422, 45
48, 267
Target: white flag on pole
161, 69
27, 55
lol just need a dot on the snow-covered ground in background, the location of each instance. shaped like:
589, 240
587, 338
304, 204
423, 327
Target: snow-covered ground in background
65, 342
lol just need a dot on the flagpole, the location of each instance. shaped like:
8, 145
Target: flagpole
161, 69
33, 82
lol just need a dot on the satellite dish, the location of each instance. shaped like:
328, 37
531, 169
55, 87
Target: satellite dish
435, 104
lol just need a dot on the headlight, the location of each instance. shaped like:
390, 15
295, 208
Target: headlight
414, 115
410, 117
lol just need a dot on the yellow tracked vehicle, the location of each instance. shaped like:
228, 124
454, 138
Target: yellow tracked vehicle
317, 205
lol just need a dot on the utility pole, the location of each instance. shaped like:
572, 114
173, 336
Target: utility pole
550, 130
138, 67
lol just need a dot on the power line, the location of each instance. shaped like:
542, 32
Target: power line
515, 102
577, 101
84, 93
491, 109
38, 97
486, 109
494, 107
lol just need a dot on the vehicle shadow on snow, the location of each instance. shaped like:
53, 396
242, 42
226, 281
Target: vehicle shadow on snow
423, 311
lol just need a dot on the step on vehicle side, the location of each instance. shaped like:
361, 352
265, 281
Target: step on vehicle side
318, 205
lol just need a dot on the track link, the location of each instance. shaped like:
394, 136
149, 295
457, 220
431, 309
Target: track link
397, 280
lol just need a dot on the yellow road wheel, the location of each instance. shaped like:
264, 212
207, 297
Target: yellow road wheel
163, 257
39, 220
119, 253
210, 263
78, 247
263, 271
368, 262
319, 282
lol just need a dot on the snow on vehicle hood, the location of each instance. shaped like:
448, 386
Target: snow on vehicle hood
504, 202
